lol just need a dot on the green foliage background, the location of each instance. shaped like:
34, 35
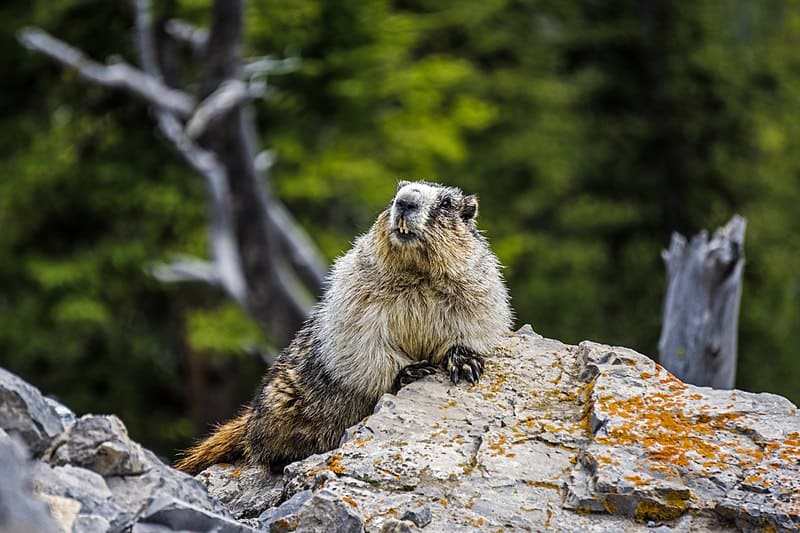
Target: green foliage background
590, 130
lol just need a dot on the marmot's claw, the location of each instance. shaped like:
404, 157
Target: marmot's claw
461, 362
412, 373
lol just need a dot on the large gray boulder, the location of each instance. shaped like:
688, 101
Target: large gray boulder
24, 412
554, 437
559, 437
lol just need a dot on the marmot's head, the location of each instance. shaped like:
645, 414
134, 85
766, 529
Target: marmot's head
430, 226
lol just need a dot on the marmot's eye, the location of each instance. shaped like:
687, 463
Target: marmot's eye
445, 203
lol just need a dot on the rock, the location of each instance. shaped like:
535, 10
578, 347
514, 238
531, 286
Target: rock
101, 444
20, 510
26, 413
178, 515
393, 525
661, 448
420, 516
269, 519
553, 433
326, 511
112, 479
64, 413
63, 510
86, 523
246, 492
554, 437
70, 488
159, 481
313, 511
527, 330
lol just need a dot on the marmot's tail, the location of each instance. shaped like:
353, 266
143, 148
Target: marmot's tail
225, 445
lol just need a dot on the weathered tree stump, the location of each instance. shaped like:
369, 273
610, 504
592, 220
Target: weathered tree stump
701, 307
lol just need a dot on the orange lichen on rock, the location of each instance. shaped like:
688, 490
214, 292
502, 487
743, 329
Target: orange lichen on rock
657, 421
789, 448
361, 441
497, 446
334, 464
350, 501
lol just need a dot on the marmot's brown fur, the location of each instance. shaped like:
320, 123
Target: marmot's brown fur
421, 289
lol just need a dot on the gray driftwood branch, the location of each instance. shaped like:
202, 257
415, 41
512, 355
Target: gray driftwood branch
229, 95
116, 75
227, 264
185, 32
226, 268
701, 308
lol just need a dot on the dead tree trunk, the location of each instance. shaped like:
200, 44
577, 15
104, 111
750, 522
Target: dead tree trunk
701, 307
260, 256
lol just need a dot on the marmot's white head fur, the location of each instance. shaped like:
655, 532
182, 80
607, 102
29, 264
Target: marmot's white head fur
429, 228
418, 205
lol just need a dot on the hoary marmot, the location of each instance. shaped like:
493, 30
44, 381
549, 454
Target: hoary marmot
420, 290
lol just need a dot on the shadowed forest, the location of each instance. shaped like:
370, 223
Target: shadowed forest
590, 131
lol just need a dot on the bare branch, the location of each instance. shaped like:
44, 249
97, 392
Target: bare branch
286, 237
223, 244
146, 39
264, 160
296, 245
268, 65
118, 75
182, 31
229, 95
224, 248
187, 269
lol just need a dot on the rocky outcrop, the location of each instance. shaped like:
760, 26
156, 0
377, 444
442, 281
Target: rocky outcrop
554, 437
20, 510
87, 475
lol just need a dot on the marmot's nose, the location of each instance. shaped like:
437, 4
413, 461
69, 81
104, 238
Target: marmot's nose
405, 206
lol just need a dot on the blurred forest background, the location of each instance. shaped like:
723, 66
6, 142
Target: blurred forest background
590, 131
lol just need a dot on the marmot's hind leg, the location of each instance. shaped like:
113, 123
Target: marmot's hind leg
462, 362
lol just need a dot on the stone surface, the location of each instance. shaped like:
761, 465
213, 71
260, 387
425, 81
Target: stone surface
554, 437
326, 511
70, 487
661, 448
20, 511
246, 492
559, 437
25, 412
420, 516
137, 492
101, 444
177, 515
91, 476
282, 516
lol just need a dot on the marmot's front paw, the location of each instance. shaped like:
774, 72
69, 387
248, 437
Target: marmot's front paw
412, 373
461, 362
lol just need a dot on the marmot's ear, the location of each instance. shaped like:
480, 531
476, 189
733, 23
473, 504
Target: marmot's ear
469, 207
401, 184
